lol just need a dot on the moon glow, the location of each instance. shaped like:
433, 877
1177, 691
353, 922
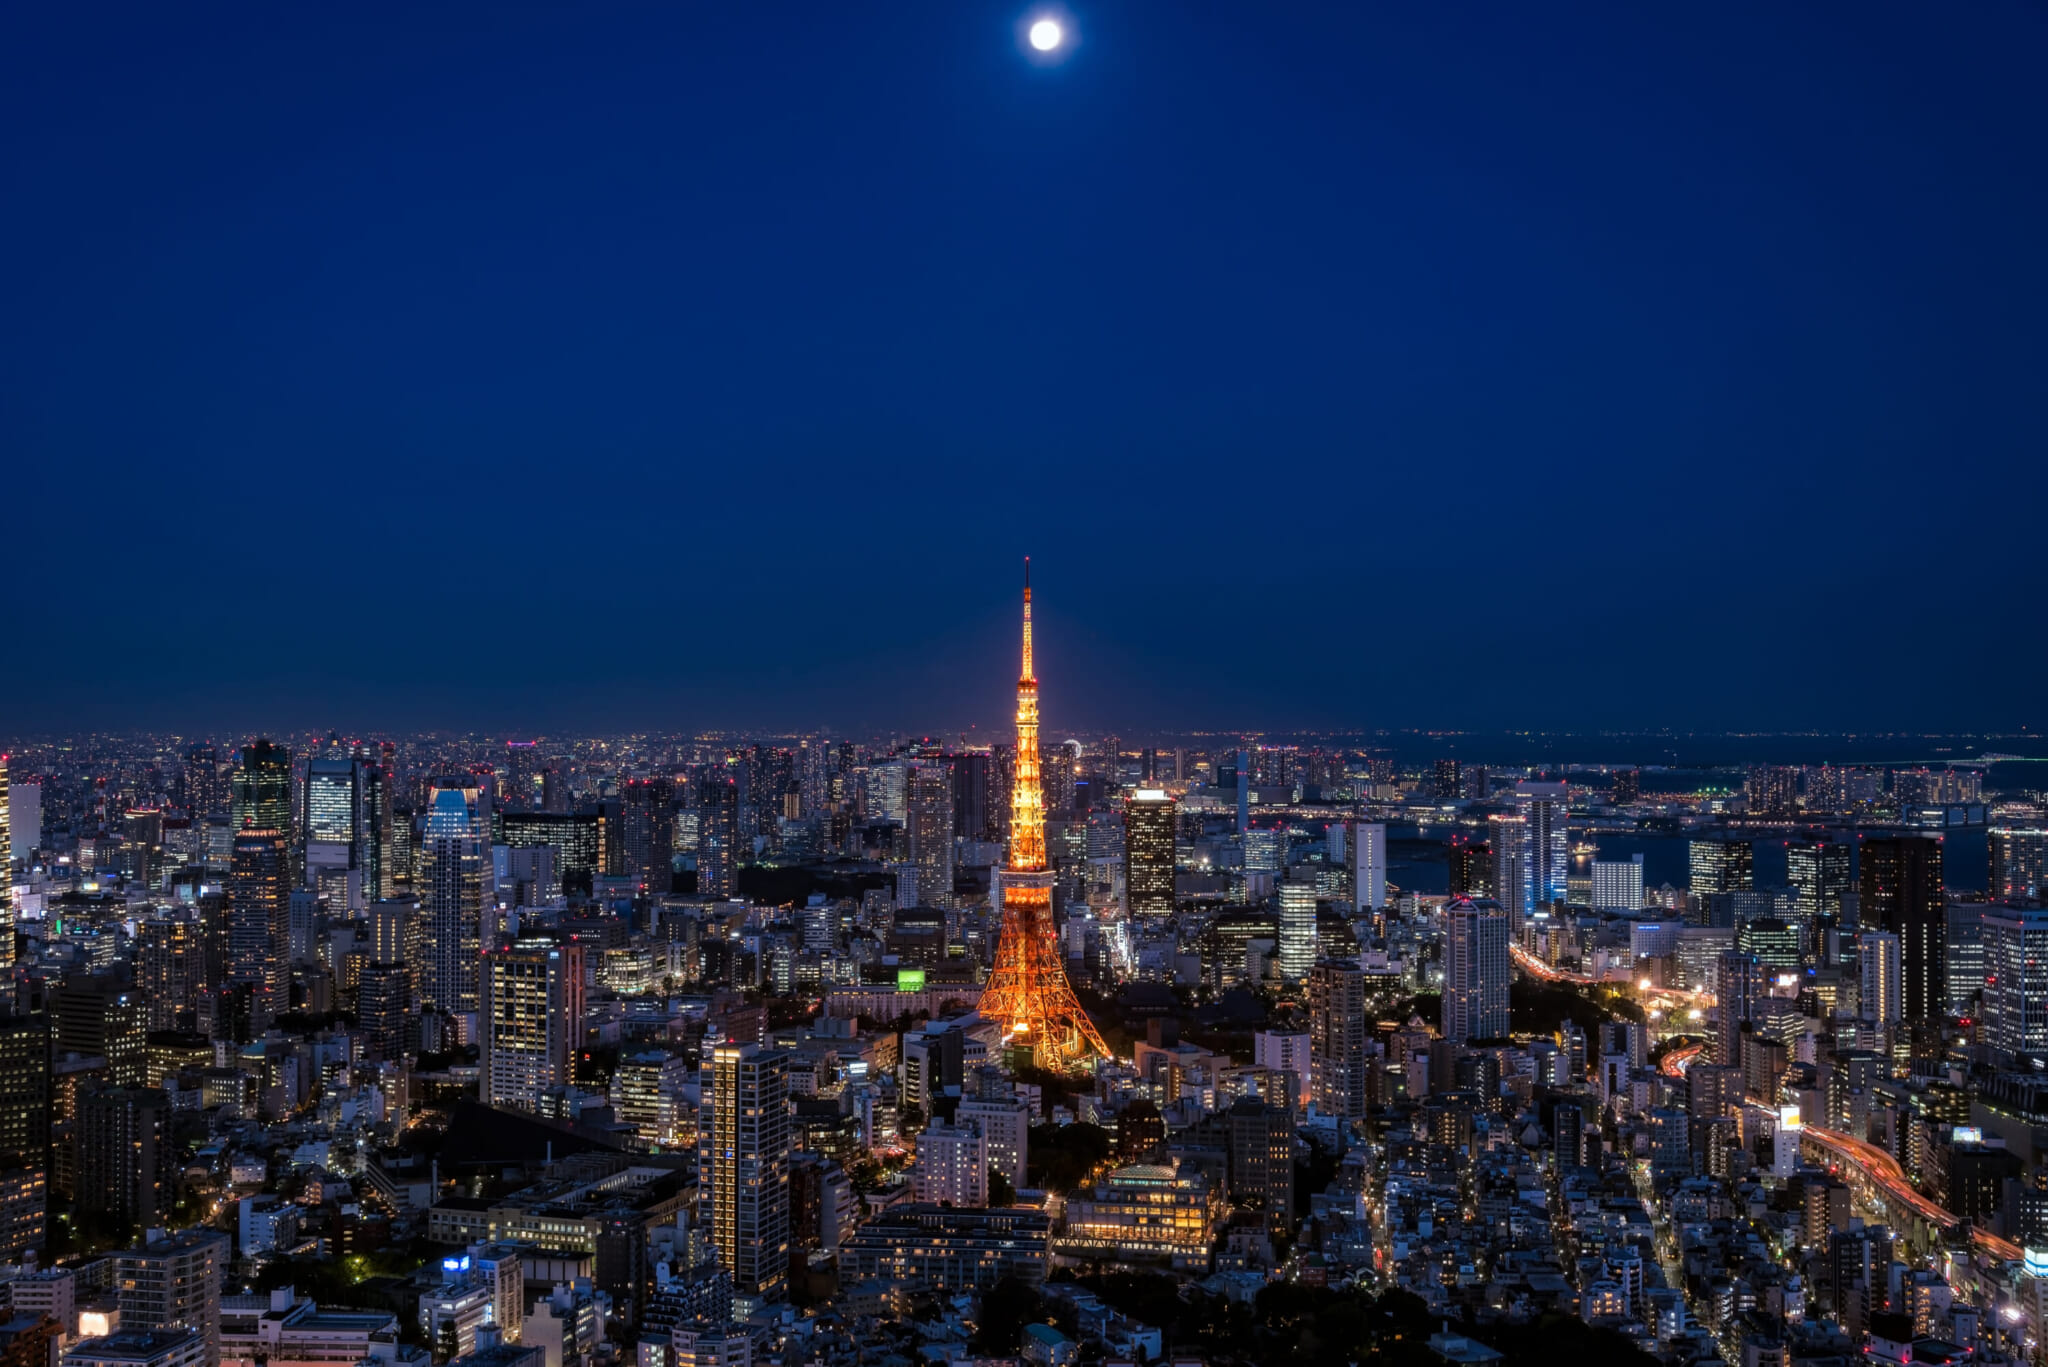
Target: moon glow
1046, 35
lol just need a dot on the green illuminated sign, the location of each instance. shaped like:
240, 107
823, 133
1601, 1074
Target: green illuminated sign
910, 980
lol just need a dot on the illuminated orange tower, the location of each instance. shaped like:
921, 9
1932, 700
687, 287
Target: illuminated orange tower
1028, 989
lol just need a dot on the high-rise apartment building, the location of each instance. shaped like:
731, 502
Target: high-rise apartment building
1476, 971
6, 876
1368, 848
24, 1092
1739, 986
1446, 782
743, 1178
1546, 852
2019, 859
1337, 1039
530, 1021
1507, 837
718, 834
170, 971
2016, 982
259, 920
1900, 890
451, 892
928, 809
174, 1281
1882, 997
1471, 869
647, 824
127, 1156
1150, 830
1297, 948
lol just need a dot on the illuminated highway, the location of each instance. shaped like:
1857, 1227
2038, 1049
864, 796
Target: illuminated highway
1884, 1171
1678, 1060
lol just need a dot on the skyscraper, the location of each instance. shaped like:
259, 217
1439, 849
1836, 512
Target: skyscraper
259, 920
1739, 986
2018, 852
648, 824
260, 793
1508, 836
6, 876
328, 822
127, 1155
1883, 996
2016, 982
1368, 848
1476, 971
1445, 781
1297, 929
1150, 826
174, 1281
743, 1179
1028, 986
928, 809
1337, 1039
1900, 891
1718, 866
1546, 853
531, 1021
1471, 869
451, 888
718, 834
1818, 871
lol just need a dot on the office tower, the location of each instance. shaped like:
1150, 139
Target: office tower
532, 1022
401, 857
6, 871
126, 1155
2016, 982
259, 920
1260, 1159
574, 839
743, 1180
1776, 944
718, 834
101, 1017
1719, 866
973, 793
1476, 971
1369, 865
2019, 859
1818, 871
1446, 781
451, 889
928, 809
373, 828
1618, 884
202, 788
1627, 787
260, 792
1297, 929
174, 1281
1507, 837
1028, 985
1471, 869
1244, 791
24, 1092
327, 823
1338, 1066
1900, 890
1151, 823
1545, 851
1739, 985
647, 823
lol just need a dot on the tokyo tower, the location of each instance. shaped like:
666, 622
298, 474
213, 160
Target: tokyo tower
1028, 988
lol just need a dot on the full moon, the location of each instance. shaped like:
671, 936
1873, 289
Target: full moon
1045, 35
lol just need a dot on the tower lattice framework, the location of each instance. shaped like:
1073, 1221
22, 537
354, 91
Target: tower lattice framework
1028, 989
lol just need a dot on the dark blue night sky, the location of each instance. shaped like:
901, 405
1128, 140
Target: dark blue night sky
1348, 364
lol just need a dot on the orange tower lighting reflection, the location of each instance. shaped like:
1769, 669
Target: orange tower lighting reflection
1028, 989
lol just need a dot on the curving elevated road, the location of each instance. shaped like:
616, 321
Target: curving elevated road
1884, 1171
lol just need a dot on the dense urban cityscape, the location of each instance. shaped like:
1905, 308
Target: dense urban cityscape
1024, 683
716, 1050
